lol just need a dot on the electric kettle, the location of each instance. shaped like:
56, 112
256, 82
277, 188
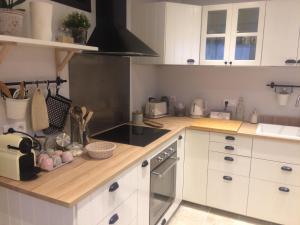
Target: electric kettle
197, 108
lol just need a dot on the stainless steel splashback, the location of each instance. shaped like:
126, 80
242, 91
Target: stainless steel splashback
102, 83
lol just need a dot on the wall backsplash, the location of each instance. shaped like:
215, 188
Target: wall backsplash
215, 84
27, 63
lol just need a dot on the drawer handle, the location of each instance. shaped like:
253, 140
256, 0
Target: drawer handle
190, 61
284, 189
228, 178
230, 148
145, 163
290, 61
163, 222
114, 219
230, 138
114, 187
287, 168
230, 159
180, 137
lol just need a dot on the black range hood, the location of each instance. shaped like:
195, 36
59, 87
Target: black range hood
111, 35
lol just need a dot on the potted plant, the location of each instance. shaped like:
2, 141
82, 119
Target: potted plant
78, 24
11, 20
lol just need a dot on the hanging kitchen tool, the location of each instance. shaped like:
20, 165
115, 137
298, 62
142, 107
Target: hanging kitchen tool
39, 112
58, 109
4, 89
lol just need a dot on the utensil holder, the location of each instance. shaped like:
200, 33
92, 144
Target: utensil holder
41, 20
16, 108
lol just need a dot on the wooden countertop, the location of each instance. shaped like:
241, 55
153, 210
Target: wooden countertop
69, 184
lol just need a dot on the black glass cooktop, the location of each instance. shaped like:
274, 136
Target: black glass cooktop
132, 135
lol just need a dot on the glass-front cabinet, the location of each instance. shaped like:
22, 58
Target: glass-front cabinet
232, 34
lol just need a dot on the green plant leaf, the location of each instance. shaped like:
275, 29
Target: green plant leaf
18, 2
76, 20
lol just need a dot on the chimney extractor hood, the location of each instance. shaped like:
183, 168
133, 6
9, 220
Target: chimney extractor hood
111, 35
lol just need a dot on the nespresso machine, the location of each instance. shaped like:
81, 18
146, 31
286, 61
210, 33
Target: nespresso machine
17, 157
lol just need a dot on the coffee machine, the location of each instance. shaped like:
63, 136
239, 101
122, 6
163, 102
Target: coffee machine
17, 157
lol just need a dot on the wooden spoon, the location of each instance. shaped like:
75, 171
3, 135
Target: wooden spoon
22, 91
5, 90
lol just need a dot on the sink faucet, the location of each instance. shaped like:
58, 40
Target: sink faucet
298, 101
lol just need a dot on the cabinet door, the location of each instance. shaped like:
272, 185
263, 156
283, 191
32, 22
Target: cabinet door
180, 167
215, 39
183, 23
247, 33
143, 192
195, 166
281, 35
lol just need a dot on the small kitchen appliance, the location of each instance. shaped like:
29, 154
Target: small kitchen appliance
156, 109
197, 108
17, 158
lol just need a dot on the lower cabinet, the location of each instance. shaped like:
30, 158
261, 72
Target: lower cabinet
274, 202
195, 166
227, 191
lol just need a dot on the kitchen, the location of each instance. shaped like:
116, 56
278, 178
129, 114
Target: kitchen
224, 150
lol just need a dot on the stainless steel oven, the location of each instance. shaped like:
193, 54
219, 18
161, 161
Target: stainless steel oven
163, 182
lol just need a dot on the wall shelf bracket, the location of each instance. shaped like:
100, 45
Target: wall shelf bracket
5, 48
60, 60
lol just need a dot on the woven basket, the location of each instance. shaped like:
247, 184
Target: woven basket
100, 149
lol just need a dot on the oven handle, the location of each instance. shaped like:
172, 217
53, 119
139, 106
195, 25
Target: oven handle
160, 175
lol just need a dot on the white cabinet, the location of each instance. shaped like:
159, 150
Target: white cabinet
232, 34
281, 35
180, 168
274, 202
143, 192
171, 29
195, 166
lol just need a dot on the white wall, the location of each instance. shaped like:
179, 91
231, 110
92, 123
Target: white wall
215, 84
26, 63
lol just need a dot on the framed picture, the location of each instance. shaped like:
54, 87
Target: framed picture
79, 4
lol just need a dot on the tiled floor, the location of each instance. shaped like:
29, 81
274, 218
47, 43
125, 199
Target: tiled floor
190, 214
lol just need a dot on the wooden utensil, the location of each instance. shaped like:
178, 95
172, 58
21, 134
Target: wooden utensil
22, 91
39, 112
84, 111
5, 90
88, 118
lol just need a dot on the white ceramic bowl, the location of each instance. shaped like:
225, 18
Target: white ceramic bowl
100, 149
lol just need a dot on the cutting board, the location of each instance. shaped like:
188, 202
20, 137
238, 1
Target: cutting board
39, 112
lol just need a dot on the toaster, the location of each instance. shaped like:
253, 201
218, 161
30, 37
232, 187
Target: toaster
155, 110
17, 158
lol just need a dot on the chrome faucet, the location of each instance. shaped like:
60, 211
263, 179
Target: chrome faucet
298, 101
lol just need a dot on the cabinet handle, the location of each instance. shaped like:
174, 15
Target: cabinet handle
190, 61
114, 187
145, 163
230, 148
230, 62
180, 137
290, 61
228, 178
230, 138
114, 219
298, 61
284, 189
225, 62
230, 159
163, 222
287, 168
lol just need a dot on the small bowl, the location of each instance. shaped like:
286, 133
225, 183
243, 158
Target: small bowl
100, 149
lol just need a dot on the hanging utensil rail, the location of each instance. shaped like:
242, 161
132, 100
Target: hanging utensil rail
273, 85
58, 82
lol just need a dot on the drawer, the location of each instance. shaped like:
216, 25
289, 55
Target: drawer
229, 139
276, 172
268, 203
125, 214
276, 150
234, 164
230, 148
118, 190
227, 191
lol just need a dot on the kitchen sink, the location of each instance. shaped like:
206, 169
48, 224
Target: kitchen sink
278, 131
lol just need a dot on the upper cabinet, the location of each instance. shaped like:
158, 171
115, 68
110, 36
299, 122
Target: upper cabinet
171, 29
281, 38
232, 34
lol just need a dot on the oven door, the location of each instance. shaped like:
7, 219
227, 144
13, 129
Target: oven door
163, 188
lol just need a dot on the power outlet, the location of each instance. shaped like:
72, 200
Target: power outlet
231, 102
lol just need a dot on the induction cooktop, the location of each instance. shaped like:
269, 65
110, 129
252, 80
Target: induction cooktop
131, 135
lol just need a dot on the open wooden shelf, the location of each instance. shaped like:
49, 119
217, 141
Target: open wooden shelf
8, 42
